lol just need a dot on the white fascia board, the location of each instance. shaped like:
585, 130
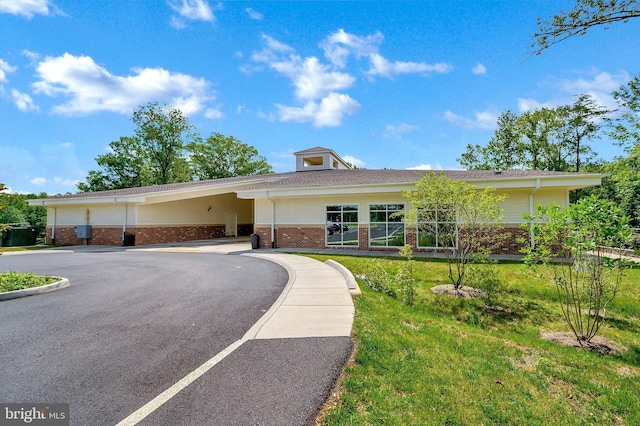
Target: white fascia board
204, 191
568, 181
53, 202
326, 190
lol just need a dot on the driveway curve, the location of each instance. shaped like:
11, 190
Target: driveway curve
130, 324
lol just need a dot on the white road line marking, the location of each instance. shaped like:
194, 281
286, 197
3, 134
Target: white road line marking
165, 396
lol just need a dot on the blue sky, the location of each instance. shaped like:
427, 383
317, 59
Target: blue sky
385, 84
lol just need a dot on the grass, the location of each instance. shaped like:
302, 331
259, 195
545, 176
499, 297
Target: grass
26, 248
449, 361
10, 281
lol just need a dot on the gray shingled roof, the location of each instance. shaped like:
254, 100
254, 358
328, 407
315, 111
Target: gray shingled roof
320, 178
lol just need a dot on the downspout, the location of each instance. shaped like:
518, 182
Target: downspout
531, 210
273, 221
53, 227
124, 223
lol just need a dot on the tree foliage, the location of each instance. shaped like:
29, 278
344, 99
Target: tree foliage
222, 156
14, 210
166, 148
164, 133
542, 139
586, 278
476, 212
585, 14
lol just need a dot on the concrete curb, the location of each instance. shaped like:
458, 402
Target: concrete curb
354, 289
58, 285
255, 329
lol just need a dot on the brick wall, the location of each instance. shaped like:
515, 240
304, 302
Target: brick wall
300, 237
314, 238
104, 235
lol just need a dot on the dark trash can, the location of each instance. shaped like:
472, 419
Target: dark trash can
129, 240
19, 236
255, 241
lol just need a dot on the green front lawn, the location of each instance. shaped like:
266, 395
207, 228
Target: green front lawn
448, 361
10, 281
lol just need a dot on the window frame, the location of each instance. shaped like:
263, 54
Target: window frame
437, 224
387, 212
351, 225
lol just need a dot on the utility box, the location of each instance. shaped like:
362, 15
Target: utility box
83, 231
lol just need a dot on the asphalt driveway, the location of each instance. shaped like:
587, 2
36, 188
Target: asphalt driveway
133, 323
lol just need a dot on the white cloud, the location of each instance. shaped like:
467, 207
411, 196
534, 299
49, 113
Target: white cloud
4, 69
339, 46
382, 67
194, 10
90, 87
485, 120
27, 8
598, 84
65, 182
319, 86
355, 161
327, 113
421, 167
254, 14
528, 104
479, 69
396, 132
23, 101
312, 79
38, 181
214, 113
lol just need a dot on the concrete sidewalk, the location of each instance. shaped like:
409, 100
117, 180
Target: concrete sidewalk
316, 301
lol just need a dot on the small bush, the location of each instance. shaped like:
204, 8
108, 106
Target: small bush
11, 281
483, 275
378, 279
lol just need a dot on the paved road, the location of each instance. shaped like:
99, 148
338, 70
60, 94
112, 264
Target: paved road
133, 323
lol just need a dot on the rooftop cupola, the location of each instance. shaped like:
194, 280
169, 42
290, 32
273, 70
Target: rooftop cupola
319, 158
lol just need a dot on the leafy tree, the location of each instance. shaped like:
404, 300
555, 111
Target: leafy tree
503, 152
626, 128
476, 212
542, 148
586, 278
222, 156
543, 139
585, 14
14, 209
582, 122
167, 149
622, 184
164, 133
126, 166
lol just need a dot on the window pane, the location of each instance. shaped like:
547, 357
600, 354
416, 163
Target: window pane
341, 226
446, 235
378, 217
377, 207
350, 217
396, 216
395, 236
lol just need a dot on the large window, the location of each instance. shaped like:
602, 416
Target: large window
386, 228
342, 225
437, 229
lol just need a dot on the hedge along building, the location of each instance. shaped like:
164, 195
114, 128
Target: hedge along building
323, 204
